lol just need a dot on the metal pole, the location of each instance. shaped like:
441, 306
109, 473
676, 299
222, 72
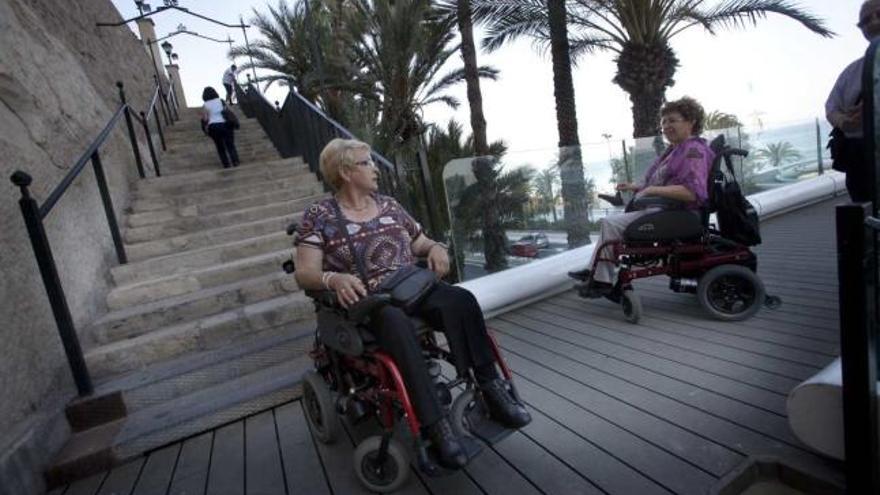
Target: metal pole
108, 208
626, 161
248, 45
159, 127
164, 104
134, 145
856, 269
146, 124
46, 262
819, 149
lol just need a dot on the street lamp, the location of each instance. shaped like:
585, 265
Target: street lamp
166, 46
142, 6
174, 58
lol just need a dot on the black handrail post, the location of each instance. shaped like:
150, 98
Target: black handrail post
175, 105
146, 122
43, 252
131, 137
159, 127
164, 100
107, 200
857, 292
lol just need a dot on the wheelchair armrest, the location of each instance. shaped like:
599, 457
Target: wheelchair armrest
356, 312
644, 202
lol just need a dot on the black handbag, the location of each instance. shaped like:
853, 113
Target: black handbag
230, 117
407, 286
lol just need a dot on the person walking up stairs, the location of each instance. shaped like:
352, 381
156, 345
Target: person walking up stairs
202, 325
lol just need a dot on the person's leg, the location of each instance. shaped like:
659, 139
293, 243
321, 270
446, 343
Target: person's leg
216, 131
457, 313
857, 184
396, 335
229, 140
611, 229
228, 93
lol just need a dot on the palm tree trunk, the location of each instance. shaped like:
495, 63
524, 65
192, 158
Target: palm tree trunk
571, 168
493, 235
646, 110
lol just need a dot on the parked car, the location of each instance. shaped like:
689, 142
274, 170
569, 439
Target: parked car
539, 239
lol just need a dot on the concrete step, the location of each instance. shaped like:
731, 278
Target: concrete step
210, 162
206, 143
137, 320
237, 325
186, 261
197, 236
181, 155
234, 192
196, 280
109, 445
220, 178
137, 219
192, 131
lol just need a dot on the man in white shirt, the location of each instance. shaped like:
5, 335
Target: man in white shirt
228, 82
843, 109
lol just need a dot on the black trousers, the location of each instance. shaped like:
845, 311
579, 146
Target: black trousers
224, 140
228, 93
858, 185
456, 312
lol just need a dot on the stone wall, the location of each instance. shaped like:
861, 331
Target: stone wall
57, 91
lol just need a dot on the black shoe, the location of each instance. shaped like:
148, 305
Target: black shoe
582, 275
450, 453
594, 289
503, 407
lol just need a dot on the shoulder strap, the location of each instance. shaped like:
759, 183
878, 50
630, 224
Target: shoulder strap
340, 220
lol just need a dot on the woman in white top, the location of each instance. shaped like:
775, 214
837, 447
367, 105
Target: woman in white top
216, 126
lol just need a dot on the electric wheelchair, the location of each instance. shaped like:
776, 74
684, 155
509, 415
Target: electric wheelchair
683, 245
355, 379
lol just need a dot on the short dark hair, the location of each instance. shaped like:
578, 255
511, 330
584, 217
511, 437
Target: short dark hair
234, 67
209, 93
689, 109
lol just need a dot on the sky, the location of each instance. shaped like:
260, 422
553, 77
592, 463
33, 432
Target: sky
773, 74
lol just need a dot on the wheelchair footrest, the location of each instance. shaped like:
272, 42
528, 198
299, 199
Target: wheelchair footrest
485, 429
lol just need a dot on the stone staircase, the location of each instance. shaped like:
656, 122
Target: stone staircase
202, 326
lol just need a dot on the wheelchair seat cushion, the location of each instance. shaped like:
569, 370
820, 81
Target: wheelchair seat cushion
343, 335
665, 226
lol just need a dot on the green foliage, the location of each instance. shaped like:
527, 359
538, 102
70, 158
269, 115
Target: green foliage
776, 154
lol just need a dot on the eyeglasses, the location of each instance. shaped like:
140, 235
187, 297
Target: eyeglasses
366, 163
875, 15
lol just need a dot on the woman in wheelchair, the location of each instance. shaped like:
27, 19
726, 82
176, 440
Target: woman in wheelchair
679, 174
381, 237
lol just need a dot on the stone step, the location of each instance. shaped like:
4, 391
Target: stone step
179, 233
220, 178
212, 208
237, 325
205, 142
192, 131
136, 320
98, 449
211, 161
180, 155
304, 185
196, 280
179, 263
201, 238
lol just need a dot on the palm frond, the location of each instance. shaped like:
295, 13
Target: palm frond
741, 13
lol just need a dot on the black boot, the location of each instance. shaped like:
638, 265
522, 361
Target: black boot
593, 289
582, 275
450, 454
503, 407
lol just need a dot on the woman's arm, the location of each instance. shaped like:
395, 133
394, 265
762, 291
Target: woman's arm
310, 275
438, 258
676, 192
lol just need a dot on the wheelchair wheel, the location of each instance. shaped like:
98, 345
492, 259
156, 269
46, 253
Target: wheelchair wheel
387, 476
632, 305
320, 411
463, 405
731, 292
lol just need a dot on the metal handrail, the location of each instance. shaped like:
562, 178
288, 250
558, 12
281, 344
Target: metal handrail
34, 214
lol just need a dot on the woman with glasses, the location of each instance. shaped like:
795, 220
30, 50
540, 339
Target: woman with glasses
385, 238
680, 173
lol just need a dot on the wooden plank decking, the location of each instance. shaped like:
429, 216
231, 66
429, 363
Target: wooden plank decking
667, 406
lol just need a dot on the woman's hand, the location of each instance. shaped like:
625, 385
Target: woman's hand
627, 186
349, 289
438, 260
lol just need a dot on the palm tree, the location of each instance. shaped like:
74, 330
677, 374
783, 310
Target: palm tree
717, 119
543, 184
776, 154
639, 32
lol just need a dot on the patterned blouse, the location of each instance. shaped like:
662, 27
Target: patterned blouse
384, 242
686, 165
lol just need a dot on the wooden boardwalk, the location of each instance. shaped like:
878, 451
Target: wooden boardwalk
667, 406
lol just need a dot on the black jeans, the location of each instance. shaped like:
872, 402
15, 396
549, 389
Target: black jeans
228, 93
456, 312
224, 140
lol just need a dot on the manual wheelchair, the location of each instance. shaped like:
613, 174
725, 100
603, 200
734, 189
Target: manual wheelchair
684, 245
355, 379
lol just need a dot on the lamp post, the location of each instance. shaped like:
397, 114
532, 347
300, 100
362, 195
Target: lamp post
167, 47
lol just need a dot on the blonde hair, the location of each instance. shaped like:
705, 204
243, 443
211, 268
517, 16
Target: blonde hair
337, 154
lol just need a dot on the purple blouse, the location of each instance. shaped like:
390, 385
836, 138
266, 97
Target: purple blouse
383, 242
684, 165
